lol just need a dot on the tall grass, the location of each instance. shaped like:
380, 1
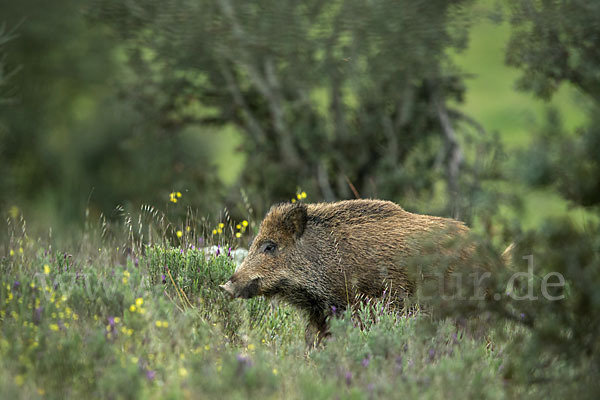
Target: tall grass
138, 314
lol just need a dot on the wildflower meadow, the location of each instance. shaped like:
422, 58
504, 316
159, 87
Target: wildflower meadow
133, 310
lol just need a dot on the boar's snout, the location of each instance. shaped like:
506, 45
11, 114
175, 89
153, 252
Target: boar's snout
235, 288
227, 287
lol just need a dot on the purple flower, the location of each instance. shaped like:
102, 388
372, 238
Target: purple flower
333, 309
136, 261
522, 316
150, 375
365, 362
16, 285
200, 241
431, 354
399, 363
244, 360
218, 251
193, 247
111, 322
164, 278
37, 316
180, 251
229, 252
348, 378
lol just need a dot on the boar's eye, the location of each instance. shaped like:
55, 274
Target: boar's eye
268, 248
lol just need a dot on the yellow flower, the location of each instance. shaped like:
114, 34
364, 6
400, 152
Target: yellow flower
251, 347
214, 232
132, 308
219, 231
19, 380
124, 281
134, 359
293, 200
12, 252
126, 274
21, 250
179, 234
139, 301
46, 269
75, 317
183, 372
221, 225
141, 310
244, 223
275, 372
173, 196
299, 196
165, 324
129, 332
117, 320
32, 285
238, 235
63, 297
238, 227
41, 391
206, 347
14, 211
303, 195
187, 228
54, 327
158, 323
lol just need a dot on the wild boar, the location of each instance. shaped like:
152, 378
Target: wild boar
320, 257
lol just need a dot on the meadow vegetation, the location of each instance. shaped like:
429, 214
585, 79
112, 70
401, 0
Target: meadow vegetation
132, 309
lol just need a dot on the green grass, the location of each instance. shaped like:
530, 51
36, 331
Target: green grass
104, 318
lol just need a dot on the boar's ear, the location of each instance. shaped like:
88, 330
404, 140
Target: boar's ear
294, 220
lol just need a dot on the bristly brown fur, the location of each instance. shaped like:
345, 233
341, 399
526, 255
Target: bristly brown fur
321, 256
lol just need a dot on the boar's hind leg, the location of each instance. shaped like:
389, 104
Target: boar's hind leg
316, 330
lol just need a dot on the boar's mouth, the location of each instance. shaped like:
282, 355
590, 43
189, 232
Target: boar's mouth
234, 289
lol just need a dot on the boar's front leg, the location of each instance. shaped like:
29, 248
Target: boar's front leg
316, 330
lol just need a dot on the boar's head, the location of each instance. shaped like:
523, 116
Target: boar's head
276, 263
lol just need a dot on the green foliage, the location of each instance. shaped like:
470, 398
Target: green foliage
71, 140
554, 42
338, 97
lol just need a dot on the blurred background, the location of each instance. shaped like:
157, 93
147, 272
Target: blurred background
484, 111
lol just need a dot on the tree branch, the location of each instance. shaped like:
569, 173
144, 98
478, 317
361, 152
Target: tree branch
454, 153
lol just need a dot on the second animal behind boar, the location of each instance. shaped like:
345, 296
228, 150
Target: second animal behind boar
320, 257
